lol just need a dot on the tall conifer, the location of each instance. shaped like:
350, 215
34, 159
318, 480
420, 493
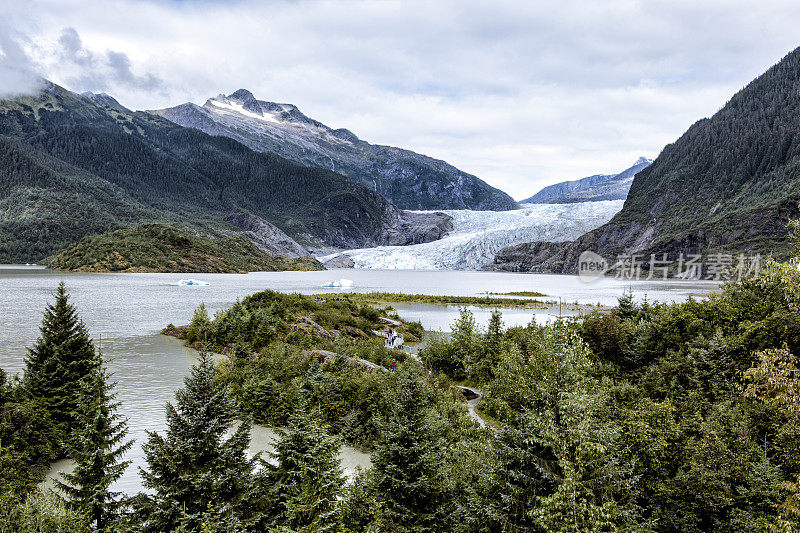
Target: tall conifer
308, 478
407, 461
98, 451
61, 359
195, 470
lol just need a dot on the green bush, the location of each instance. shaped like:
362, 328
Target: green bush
40, 512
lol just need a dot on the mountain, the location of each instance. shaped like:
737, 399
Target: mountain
72, 166
408, 179
729, 184
591, 189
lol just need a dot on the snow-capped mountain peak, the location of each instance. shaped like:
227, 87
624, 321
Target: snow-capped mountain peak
408, 179
242, 95
229, 105
593, 188
246, 105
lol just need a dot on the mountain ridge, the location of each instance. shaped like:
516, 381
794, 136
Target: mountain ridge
591, 188
67, 155
408, 179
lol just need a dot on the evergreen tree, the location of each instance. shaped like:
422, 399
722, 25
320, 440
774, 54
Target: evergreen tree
308, 478
489, 354
194, 470
26, 440
524, 470
407, 462
626, 306
98, 452
61, 359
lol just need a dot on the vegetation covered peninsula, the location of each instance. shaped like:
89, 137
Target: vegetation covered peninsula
160, 248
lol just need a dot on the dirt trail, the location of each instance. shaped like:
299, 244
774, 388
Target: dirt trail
473, 403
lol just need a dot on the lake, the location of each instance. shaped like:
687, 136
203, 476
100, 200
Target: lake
125, 312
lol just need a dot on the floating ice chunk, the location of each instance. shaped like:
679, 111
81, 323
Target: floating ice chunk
185, 282
339, 283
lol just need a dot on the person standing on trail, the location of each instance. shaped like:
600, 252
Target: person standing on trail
394, 364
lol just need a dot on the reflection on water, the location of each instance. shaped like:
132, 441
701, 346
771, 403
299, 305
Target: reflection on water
125, 312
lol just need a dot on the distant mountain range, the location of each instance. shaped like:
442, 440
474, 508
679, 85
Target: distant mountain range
407, 179
590, 189
76, 165
729, 184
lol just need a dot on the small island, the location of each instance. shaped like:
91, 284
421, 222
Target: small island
161, 248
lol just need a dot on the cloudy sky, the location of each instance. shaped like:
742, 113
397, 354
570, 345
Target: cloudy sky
521, 93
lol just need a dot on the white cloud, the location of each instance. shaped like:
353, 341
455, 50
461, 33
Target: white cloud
521, 93
17, 71
83, 69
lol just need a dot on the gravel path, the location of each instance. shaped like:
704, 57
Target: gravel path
473, 403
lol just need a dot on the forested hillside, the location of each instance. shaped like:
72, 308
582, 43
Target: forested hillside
729, 183
159, 248
73, 165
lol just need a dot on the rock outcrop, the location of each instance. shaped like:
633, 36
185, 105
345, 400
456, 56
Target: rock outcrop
339, 261
266, 236
417, 228
528, 257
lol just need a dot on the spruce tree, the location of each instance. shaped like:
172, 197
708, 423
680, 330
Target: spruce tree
308, 478
61, 359
489, 354
407, 461
194, 469
98, 451
524, 470
626, 306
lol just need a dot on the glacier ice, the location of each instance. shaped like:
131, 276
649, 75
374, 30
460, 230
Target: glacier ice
478, 235
186, 282
339, 284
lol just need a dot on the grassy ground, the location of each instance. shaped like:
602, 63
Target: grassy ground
382, 298
527, 294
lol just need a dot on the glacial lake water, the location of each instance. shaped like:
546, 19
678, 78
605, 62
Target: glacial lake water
127, 311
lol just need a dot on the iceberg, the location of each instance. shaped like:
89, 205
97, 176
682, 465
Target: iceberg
186, 282
338, 284
478, 235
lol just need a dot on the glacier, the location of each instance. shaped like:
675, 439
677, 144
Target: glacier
478, 235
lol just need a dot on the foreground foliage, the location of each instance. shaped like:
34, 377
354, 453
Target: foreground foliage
194, 469
650, 417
